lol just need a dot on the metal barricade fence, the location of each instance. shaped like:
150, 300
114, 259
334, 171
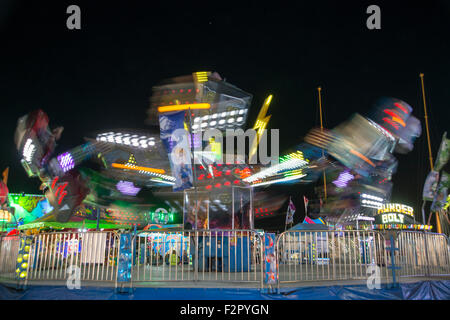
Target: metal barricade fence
9, 249
54, 255
202, 255
329, 255
422, 254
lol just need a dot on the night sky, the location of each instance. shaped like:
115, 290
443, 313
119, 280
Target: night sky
100, 77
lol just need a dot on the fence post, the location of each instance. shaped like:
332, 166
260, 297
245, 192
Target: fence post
270, 259
22, 261
125, 262
392, 249
427, 264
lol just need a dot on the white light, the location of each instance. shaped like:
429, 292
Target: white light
232, 113
197, 119
213, 123
214, 116
28, 150
195, 126
222, 121
152, 143
240, 119
224, 114
231, 120
204, 124
205, 118
241, 111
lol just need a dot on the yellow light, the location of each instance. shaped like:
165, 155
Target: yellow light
201, 76
260, 124
137, 168
179, 107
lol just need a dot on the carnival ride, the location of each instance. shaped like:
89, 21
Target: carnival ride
132, 177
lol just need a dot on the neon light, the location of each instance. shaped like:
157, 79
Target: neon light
396, 208
137, 168
180, 107
66, 161
260, 124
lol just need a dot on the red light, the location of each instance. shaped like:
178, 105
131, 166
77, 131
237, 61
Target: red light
208, 187
218, 185
218, 174
228, 172
236, 171
227, 183
189, 90
398, 105
219, 164
181, 90
201, 167
236, 181
201, 177
209, 176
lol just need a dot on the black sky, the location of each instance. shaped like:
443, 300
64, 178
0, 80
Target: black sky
100, 77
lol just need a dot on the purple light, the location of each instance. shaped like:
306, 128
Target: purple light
343, 179
128, 188
66, 161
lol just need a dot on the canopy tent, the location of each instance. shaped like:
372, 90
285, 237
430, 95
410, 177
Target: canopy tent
309, 227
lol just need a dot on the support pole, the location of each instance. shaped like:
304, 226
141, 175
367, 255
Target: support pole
319, 89
438, 224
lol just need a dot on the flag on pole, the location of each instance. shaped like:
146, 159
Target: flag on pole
290, 212
305, 200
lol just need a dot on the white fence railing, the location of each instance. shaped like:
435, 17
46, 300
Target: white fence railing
9, 249
93, 253
329, 255
203, 255
227, 256
422, 254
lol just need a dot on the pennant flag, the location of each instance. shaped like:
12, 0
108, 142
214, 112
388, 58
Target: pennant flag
305, 200
175, 140
441, 193
290, 212
443, 153
430, 186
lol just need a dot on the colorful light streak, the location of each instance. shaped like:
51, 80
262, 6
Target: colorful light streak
66, 161
127, 188
180, 107
343, 179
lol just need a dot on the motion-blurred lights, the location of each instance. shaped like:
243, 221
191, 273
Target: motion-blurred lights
127, 188
28, 150
127, 139
343, 179
368, 196
66, 161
